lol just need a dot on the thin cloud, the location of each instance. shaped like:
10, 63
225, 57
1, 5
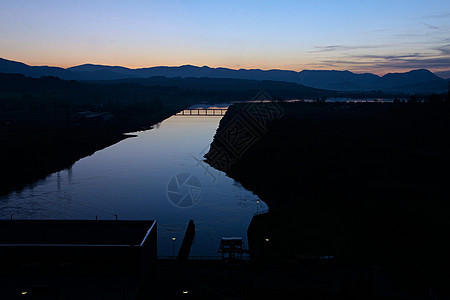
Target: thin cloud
331, 48
391, 57
438, 16
336, 62
429, 26
441, 63
436, 56
428, 63
445, 49
410, 35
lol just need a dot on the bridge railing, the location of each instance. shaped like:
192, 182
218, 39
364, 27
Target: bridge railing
203, 112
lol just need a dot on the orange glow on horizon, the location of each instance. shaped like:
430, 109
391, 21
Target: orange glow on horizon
293, 67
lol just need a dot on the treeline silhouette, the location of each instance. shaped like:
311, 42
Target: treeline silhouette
432, 98
51, 93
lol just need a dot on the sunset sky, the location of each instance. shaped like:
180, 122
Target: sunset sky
362, 36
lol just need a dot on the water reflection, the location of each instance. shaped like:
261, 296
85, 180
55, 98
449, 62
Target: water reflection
131, 179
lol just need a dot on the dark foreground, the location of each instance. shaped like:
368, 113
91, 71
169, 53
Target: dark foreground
197, 279
358, 203
364, 183
305, 279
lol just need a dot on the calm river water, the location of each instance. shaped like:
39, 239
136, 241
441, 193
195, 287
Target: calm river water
157, 175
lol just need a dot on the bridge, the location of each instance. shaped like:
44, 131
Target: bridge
202, 112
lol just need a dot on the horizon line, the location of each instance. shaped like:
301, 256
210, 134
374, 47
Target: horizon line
223, 67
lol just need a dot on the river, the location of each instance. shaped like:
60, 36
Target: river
160, 174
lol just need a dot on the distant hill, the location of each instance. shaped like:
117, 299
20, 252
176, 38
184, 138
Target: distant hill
193, 71
8, 66
409, 82
393, 80
414, 81
341, 80
280, 89
135, 90
443, 74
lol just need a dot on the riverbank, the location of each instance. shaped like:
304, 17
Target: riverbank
34, 147
361, 182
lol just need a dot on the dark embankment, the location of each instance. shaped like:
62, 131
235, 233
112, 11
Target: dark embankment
33, 150
48, 124
366, 183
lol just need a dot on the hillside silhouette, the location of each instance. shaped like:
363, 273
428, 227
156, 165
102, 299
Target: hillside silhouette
414, 81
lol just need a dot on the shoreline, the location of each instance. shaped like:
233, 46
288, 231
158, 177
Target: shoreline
34, 152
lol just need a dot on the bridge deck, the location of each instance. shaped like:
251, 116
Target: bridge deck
203, 112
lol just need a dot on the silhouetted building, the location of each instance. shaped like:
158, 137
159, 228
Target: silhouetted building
79, 259
231, 248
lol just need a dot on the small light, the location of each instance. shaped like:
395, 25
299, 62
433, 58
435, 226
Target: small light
267, 240
24, 293
257, 201
185, 291
173, 239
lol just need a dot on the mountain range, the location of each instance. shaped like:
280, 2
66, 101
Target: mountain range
415, 81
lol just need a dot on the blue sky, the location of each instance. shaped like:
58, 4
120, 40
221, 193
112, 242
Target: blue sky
362, 36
